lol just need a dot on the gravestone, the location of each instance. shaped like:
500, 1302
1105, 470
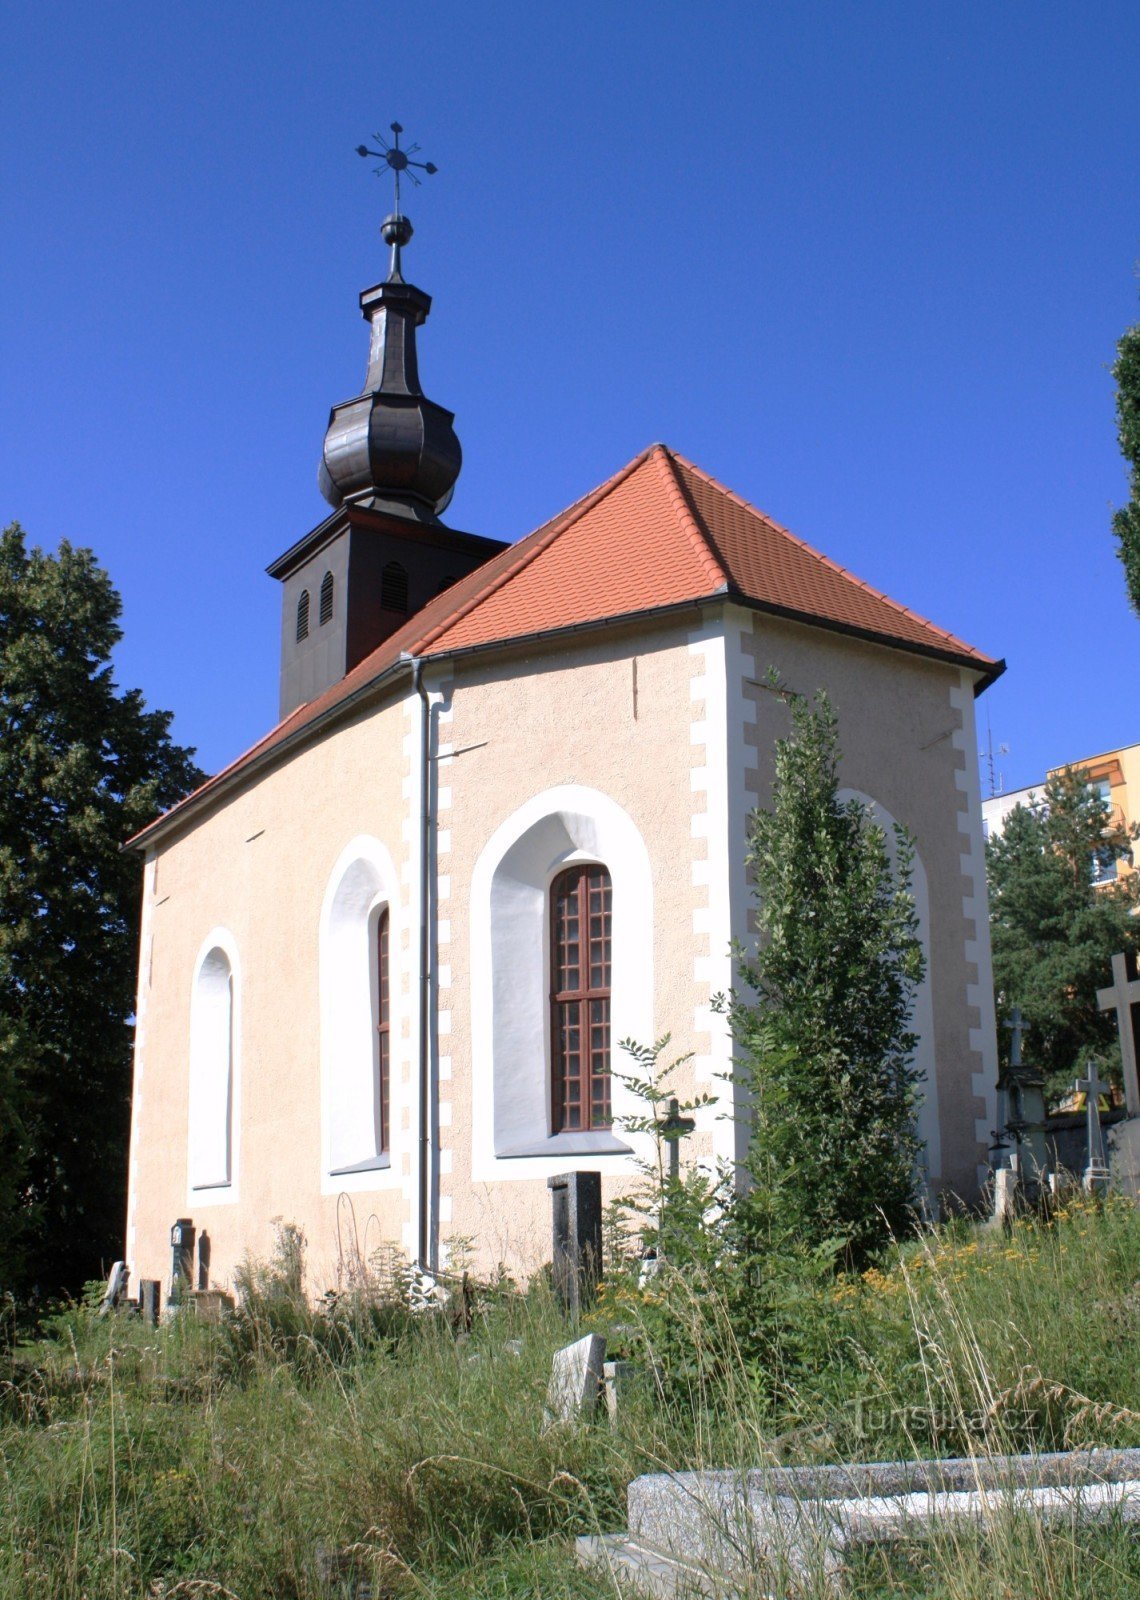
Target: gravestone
619, 1379
149, 1292
576, 1206
1005, 1197
1123, 996
716, 1533
575, 1381
116, 1287
182, 1255
1096, 1174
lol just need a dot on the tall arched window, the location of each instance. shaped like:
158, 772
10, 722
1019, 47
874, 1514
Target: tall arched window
360, 1016
581, 945
212, 1038
303, 615
394, 588
383, 1014
326, 610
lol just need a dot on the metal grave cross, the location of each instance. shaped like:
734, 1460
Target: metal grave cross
1121, 996
1097, 1169
674, 1128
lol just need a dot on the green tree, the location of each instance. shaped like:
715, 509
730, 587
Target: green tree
1126, 521
822, 1023
82, 766
1053, 929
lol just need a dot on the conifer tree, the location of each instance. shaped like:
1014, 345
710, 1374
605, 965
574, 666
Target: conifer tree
82, 766
1053, 929
1126, 521
823, 1022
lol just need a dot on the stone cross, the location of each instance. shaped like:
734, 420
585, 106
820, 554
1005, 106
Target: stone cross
1096, 1173
1121, 996
674, 1128
1016, 1031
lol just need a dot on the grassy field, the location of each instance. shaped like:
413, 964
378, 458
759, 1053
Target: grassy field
275, 1457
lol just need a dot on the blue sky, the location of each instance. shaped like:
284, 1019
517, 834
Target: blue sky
865, 262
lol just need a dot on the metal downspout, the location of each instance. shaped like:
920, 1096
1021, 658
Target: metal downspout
425, 1233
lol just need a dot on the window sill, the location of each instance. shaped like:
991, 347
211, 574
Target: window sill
375, 1164
601, 1143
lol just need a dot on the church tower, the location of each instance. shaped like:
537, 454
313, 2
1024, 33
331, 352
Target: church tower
388, 469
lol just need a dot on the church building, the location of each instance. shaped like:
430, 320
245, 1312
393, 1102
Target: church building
389, 953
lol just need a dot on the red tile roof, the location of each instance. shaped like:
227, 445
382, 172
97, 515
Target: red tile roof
659, 533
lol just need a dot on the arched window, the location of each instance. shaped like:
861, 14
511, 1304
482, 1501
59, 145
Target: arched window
523, 989
383, 1013
394, 588
360, 1018
581, 943
326, 610
303, 615
212, 1077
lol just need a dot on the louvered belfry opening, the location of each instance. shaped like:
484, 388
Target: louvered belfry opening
383, 1023
581, 939
394, 588
326, 598
303, 615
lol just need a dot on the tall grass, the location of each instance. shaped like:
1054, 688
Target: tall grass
292, 1451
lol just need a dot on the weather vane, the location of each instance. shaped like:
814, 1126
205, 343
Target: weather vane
397, 160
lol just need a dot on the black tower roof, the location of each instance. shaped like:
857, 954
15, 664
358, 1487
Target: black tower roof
391, 448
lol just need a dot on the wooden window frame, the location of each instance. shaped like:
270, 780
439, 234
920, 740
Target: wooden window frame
382, 941
585, 996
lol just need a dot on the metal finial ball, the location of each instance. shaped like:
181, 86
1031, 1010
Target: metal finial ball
396, 230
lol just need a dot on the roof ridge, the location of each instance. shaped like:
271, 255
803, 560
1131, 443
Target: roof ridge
553, 529
706, 552
825, 560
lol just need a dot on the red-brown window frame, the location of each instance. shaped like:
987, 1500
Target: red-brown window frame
383, 1022
584, 997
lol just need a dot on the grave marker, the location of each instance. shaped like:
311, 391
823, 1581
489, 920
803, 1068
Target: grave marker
1122, 995
576, 1204
116, 1287
575, 1381
1096, 1173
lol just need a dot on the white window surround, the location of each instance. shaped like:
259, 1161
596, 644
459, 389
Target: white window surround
361, 884
214, 1111
510, 980
922, 1012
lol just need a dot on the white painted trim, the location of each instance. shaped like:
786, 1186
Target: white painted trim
721, 779
976, 913
509, 901
362, 880
142, 997
205, 1196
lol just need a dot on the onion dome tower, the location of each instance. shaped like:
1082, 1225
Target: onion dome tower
391, 446
388, 469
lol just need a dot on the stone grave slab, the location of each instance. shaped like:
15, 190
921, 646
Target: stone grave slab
799, 1522
575, 1381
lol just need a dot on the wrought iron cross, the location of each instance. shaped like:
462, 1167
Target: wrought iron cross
397, 160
